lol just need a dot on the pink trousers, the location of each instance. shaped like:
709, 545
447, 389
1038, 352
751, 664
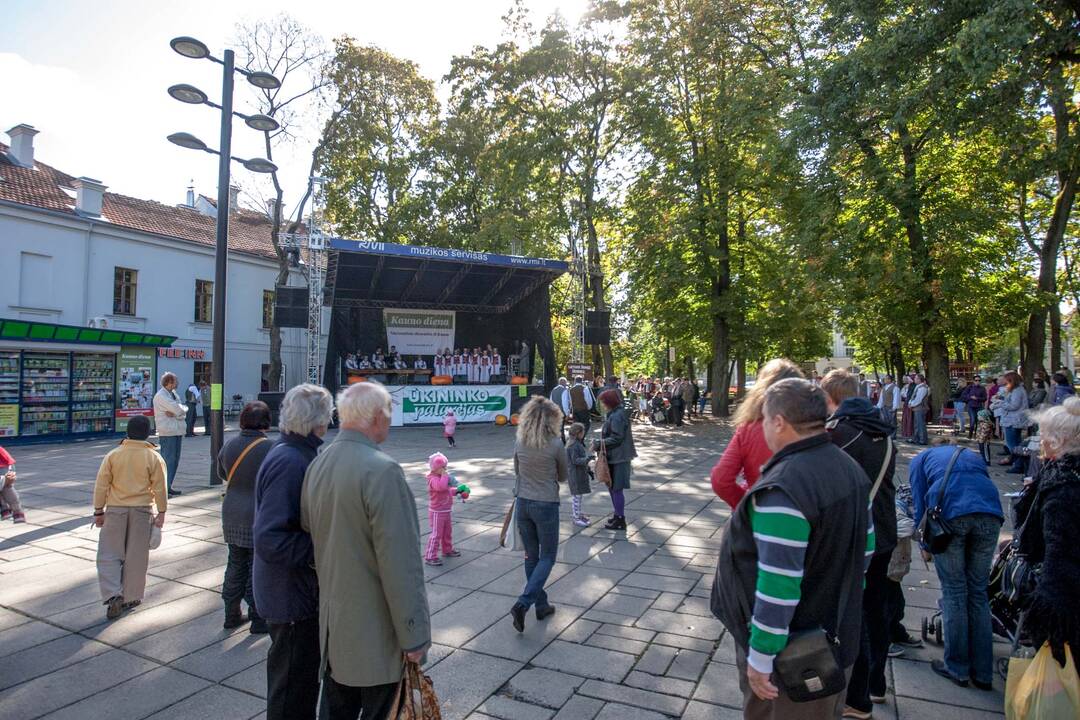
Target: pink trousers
442, 527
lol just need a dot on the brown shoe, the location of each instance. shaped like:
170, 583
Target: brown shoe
114, 606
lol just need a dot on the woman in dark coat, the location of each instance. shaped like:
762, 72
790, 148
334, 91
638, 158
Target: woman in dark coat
238, 463
618, 442
1051, 534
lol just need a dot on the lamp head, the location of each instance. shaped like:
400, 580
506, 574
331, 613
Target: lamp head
189, 47
263, 80
187, 140
260, 165
263, 123
188, 94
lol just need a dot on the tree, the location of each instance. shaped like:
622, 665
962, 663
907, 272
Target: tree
296, 56
376, 155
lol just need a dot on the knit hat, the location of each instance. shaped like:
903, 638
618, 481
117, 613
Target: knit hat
138, 427
436, 461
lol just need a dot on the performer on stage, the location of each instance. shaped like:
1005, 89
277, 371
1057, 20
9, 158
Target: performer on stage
474, 366
496, 364
420, 363
485, 368
350, 362
377, 359
456, 363
437, 364
364, 363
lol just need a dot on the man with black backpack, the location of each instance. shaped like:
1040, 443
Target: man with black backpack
857, 427
191, 399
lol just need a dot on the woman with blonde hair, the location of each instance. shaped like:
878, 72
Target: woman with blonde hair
540, 465
747, 451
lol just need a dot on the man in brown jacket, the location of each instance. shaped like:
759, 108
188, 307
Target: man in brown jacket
130, 479
373, 610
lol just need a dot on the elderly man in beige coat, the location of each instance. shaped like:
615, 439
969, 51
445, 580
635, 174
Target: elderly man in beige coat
373, 610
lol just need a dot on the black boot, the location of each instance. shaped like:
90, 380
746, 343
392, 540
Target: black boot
258, 625
517, 612
234, 617
617, 522
622, 522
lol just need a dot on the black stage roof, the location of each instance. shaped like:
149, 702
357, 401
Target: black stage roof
363, 274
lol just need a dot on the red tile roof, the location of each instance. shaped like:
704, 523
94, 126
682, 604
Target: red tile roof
41, 186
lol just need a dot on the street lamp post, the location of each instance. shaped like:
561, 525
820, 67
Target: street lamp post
192, 48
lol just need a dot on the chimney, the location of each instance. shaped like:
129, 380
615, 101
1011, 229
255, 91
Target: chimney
21, 151
234, 195
190, 199
88, 196
271, 206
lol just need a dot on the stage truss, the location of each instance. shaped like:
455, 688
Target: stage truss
313, 244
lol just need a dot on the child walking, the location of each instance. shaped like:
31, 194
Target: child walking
441, 492
984, 433
10, 508
449, 426
579, 458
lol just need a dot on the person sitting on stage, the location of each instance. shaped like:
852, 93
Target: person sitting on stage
399, 363
377, 357
350, 362
419, 363
364, 363
485, 368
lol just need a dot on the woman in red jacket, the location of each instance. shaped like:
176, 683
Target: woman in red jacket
747, 451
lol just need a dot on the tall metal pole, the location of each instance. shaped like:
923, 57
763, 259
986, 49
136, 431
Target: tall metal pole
221, 261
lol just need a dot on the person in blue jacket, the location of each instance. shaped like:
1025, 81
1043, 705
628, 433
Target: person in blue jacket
971, 506
283, 573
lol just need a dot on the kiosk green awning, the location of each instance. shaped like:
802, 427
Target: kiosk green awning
33, 331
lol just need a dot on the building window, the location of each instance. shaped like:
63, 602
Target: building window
204, 301
125, 283
849, 351
268, 309
202, 372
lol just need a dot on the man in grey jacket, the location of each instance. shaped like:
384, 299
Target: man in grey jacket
373, 610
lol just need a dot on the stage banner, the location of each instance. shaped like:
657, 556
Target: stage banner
419, 404
419, 332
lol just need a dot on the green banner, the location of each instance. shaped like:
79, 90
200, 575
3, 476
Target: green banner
417, 404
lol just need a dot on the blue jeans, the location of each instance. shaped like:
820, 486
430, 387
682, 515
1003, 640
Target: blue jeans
919, 416
170, 452
961, 413
973, 418
538, 523
964, 571
1014, 439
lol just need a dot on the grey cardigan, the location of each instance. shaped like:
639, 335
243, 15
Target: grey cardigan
540, 471
238, 507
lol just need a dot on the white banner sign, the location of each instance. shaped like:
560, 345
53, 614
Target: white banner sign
419, 404
419, 332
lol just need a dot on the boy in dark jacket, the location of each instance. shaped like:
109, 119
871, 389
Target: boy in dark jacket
856, 427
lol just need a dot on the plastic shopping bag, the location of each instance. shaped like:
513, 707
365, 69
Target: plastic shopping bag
1040, 689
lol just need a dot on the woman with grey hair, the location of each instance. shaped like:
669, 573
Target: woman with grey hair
540, 465
283, 578
1050, 533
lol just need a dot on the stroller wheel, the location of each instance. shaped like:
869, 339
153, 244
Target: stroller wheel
937, 630
925, 629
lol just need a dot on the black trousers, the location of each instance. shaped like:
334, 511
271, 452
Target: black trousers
677, 411
190, 419
292, 670
894, 594
237, 583
345, 702
868, 673
583, 417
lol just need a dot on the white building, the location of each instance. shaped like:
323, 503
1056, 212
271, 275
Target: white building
72, 253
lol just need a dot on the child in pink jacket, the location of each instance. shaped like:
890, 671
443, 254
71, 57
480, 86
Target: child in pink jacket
449, 425
441, 492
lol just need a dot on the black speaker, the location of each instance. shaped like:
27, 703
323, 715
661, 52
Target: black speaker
290, 307
597, 327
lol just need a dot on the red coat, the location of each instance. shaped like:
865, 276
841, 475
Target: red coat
747, 452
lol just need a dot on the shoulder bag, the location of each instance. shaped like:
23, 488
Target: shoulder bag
601, 470
240, 458
509, 530
934, 529
1019, 575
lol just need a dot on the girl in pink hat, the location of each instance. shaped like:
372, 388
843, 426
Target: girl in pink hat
441, 492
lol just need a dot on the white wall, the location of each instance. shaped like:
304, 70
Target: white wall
83, 254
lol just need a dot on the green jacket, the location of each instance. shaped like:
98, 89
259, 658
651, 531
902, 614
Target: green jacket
372, 601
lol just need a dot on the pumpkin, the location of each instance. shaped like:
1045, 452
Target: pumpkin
353, 379
519, 380
500, 419
514, 419
441, 379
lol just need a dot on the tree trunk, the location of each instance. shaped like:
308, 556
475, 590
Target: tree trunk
1056, 359
936, 354
690, 368
274, 379
740, 378
708, 377
596, 277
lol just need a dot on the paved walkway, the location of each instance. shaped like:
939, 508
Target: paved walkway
632, 639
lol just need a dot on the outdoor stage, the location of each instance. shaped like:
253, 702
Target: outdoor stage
423, 299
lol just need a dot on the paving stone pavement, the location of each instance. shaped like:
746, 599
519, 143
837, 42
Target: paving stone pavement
632, 637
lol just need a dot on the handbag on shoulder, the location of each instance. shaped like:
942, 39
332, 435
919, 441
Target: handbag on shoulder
601, 469
934, 529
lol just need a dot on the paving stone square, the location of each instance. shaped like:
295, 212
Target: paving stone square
633, 636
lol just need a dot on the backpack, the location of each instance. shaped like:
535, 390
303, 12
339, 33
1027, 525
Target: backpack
189, 396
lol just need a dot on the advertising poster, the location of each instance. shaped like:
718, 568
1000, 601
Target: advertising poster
420, 404
135, 384
9, 420
419, 332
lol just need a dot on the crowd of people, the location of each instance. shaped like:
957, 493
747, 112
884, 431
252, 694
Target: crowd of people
476, 366
324, 541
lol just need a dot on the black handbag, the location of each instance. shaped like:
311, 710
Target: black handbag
807, 667
1019, 575
934, 529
